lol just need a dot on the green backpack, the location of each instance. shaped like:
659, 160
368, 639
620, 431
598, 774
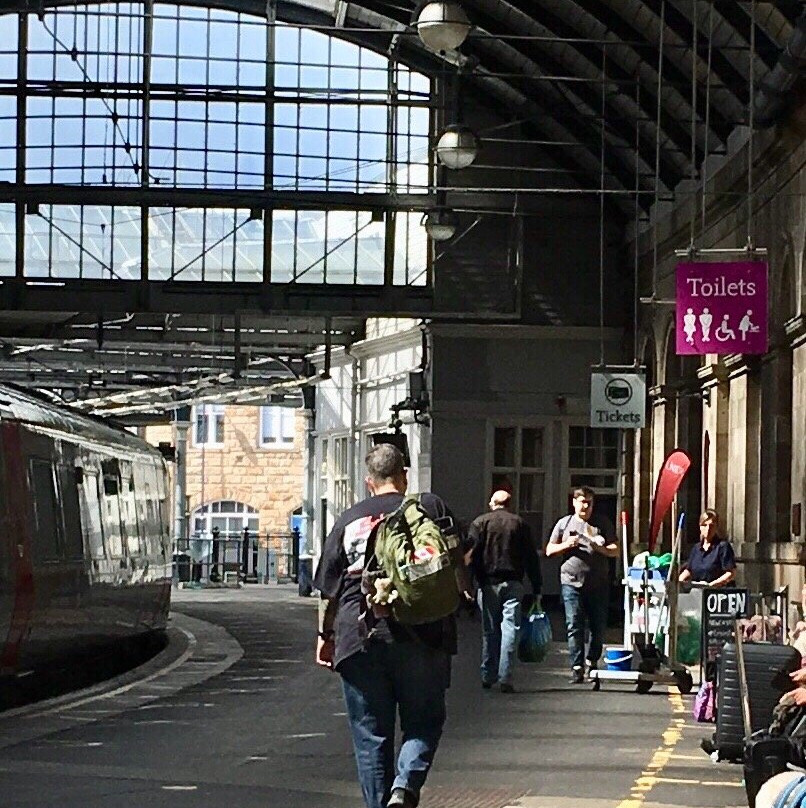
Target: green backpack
410, 548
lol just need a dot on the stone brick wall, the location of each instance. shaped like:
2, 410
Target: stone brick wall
267, 479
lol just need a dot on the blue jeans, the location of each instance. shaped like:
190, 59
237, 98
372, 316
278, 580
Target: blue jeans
501, 622
581, 603
386, 678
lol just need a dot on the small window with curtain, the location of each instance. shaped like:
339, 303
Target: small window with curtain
277, 427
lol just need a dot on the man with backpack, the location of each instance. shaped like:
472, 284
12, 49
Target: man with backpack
388, 566
503, 553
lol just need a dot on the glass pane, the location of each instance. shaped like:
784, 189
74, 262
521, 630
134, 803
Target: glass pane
504, 446
531, 492
504, 482
90, 507
576, 458
201, 426
45, 534
8, 231
532, 448
576, 436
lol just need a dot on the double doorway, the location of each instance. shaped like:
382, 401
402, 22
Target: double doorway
541, 461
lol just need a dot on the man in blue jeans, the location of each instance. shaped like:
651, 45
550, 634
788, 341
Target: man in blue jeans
503, 553
585, 541
389, 668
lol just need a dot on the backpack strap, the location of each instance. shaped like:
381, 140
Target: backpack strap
444, 521
565, 526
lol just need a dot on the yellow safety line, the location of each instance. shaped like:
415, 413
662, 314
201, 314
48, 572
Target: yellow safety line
671, 737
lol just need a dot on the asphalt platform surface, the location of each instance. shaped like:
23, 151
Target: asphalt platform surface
234, 713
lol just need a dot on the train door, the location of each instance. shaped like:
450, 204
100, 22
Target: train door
55, 615
125, 612
157, 575
102, 571
72, 539
131, 521
16, 580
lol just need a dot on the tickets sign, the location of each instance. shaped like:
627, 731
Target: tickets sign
722, 308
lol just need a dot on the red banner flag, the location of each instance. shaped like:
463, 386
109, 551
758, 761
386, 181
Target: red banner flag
671, 476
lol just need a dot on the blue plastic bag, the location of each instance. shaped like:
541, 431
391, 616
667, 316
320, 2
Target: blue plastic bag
535, 636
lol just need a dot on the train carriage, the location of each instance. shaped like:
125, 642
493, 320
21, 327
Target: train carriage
85, 546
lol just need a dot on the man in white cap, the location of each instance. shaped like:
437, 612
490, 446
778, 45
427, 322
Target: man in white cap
502, 554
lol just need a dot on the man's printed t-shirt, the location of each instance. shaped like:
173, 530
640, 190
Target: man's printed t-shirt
339, 576
583, 566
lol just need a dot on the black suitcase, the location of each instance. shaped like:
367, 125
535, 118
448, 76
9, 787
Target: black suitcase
767, 668
764, 757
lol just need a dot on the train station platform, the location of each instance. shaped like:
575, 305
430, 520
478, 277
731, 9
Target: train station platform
234, 712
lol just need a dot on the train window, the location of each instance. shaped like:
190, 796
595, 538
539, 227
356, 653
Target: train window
111, 470
111, 518
90, 505
43, 497
128, 513
71, 518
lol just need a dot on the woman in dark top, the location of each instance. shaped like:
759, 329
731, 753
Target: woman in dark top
712, 560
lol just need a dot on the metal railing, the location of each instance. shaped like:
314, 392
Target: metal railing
220, 558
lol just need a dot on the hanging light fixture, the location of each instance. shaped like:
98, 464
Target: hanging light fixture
457, 146
440, 224
442, 25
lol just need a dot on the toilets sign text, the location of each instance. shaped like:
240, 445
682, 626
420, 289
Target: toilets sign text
722, 308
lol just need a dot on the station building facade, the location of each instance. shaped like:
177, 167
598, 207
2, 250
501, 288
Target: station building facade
741, 417
502, 412
244, 467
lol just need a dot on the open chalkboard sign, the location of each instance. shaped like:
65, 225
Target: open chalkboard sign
721, 607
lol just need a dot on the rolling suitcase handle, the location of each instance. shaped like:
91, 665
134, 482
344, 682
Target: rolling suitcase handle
744, 695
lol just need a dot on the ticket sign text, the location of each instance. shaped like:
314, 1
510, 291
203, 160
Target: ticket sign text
721, 307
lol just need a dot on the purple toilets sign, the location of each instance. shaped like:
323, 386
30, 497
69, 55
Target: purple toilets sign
722, 308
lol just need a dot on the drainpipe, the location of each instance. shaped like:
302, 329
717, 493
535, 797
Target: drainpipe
308, 466
354, 454
775, 91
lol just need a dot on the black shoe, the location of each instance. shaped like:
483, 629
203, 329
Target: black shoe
506, 687
402, 798
577, 676
590, 666
486, 685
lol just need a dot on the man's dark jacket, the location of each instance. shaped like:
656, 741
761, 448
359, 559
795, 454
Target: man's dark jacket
503, 550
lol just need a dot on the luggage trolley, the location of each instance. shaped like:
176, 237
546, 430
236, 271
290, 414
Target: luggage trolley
650, 606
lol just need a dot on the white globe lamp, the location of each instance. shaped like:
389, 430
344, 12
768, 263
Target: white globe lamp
457, 147
442, 25
440, 224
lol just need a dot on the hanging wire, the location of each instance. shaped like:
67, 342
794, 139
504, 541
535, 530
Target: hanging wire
707, 112
602, 211
657, 150
751, 104
694, 65
637, 217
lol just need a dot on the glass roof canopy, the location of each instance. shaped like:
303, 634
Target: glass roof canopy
104, 109
187, 193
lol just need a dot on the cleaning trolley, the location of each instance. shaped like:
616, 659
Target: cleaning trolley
648, 653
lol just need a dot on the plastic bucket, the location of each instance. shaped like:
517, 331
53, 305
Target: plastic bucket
618, 659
